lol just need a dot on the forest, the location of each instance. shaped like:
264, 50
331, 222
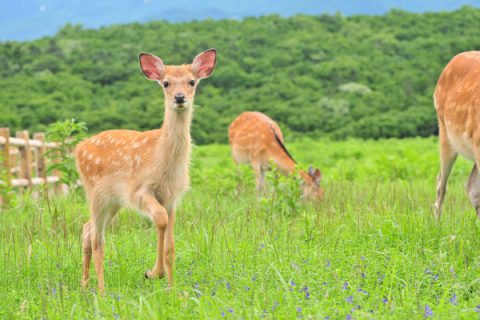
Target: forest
326, 76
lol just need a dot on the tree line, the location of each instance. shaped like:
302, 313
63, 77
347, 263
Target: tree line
318, 76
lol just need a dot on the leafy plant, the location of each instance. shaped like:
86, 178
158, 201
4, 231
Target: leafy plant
6, 191
67, 134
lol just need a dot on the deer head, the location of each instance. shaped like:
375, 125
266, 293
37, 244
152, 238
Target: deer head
311, 184
178, 82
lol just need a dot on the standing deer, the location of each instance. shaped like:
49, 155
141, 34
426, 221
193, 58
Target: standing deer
146, 171
457, 101
257, 139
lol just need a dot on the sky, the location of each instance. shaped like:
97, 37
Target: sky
30, 19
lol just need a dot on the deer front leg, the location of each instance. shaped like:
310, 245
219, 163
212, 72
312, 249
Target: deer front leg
159, 217
473, 189
87, 253
170, 247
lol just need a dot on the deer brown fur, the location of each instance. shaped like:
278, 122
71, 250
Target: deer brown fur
145, 171
457, 102
257, 139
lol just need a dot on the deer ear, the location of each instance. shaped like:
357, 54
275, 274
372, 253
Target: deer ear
204, 63
317, 177
310, 171
152, 66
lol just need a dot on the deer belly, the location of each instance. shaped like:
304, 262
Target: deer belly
462, 144
241, 156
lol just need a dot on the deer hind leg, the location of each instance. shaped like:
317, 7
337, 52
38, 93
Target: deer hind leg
101, 216
473, 189
260, 176
87, 253
170, 246
159, 216
447, 159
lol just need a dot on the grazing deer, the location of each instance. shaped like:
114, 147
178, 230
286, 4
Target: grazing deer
257, 139
146, 171
457, 101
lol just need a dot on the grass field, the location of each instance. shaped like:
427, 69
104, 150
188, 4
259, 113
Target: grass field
370, 250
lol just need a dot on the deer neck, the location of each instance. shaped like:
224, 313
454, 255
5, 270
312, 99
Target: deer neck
175, 143
285, 163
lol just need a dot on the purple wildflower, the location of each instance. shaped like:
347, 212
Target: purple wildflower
428, 311
435, 277
345, 285
327, 264
247, 288
254, 278
348, 317
223, 313
307, 292
363, 275
380, 277
228, 286
230, 310
453, 300
452, 271
275, 305
477, 308
362, 257
384, 300
349, 299
428, 271
299, 309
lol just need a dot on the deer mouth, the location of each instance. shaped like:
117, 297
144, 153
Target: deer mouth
180, 106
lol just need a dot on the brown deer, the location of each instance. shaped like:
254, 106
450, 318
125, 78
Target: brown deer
457, 101
257, 139
146, 171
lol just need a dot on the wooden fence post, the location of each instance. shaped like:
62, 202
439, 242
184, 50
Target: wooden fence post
41, 163
5, 134
25, 157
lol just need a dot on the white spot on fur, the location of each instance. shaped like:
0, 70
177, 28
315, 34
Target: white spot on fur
90, 157
135, 145
137, 160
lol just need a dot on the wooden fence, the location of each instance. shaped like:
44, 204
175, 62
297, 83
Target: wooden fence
24, 161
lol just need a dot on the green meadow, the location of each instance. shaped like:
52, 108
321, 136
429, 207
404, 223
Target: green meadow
370, 250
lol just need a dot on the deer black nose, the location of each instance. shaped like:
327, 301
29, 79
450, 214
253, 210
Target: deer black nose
179, 98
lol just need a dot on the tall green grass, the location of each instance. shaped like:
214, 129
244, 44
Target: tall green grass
370, 250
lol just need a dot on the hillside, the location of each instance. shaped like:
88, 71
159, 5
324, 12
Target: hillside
27, 20
321, 76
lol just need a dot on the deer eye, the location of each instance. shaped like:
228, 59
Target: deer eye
166, 84
192, 82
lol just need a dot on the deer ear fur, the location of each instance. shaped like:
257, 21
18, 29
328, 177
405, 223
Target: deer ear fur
204, 63
152, 67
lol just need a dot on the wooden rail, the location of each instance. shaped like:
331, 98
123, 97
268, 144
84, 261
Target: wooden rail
24, 161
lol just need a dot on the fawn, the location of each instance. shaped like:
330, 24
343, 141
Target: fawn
457, 102
146, 171
257, 139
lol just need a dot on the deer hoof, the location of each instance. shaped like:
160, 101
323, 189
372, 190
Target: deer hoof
150, 275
